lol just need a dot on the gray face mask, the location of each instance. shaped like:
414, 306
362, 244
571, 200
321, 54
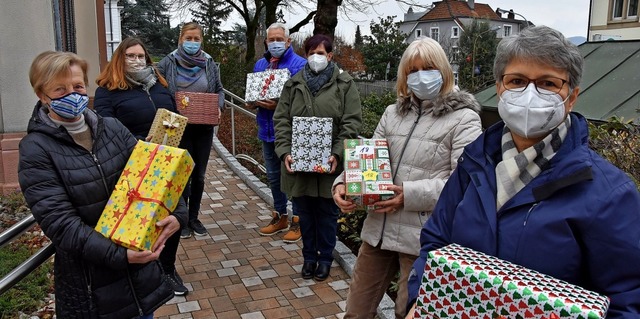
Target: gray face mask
425, 84
530, 114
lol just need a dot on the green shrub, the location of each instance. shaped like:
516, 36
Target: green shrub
618, 141
373, 107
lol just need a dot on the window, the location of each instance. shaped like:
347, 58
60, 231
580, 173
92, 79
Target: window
455, 32
632, 10
455, 54
435, 34
616, 10
418, 33
455, 78
507, 30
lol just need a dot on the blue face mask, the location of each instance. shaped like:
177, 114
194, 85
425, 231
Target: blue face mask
191, 47
69, 106
425, 84
277, 49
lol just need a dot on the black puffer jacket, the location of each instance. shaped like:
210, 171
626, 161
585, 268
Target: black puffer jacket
67, 188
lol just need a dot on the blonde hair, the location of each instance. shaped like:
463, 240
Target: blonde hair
188, 27
429, 52
113, 77
49, 65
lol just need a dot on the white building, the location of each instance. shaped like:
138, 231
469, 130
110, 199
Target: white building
614, 20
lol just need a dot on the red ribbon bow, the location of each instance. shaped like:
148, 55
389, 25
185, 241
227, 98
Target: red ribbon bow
267, 81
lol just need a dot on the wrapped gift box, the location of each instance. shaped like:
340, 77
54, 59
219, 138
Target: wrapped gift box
311, 144
459, 282
266, 85
147, 191
367, 171
167, 128
199, 108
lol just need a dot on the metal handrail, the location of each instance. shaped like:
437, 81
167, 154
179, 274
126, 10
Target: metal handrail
29, 265
235, 103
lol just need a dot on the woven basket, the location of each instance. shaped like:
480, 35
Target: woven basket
199, 108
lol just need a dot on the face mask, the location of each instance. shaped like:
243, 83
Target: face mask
191, 47
69, 106
530, 114
277, 49
317, 62
136, 65
425, 84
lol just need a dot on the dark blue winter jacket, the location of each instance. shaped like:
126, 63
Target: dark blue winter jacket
134, 107
289, 60
578, 221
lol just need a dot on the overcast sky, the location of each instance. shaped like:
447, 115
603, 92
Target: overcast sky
568, 16
571, 17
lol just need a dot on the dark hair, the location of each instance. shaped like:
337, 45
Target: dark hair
315, 41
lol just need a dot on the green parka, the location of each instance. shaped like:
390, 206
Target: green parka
338, 99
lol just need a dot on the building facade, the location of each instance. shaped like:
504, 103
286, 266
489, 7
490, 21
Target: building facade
29, 28
614, 20
444, 21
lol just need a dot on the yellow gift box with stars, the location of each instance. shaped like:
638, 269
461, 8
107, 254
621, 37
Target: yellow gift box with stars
147, 191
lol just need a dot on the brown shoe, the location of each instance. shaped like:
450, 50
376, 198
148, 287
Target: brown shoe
277, 224
294, 233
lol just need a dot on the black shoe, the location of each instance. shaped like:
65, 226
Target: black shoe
198, 228
308, 268
185, 233
322, 272
176, 284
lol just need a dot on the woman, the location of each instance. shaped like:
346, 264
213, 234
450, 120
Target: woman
321, 89
426, 131
70, 161
188, 68
530, 191
132, 90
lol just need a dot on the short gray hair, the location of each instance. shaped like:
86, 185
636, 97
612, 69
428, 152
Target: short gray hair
278, 25
543, 45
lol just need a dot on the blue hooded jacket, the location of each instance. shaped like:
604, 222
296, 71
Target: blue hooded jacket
578, 221
289, 60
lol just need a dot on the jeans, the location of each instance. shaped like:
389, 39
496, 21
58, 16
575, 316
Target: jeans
374, 270
168, 254
272, 164
319, 227
197, 139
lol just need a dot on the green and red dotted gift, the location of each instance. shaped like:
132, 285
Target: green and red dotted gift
367, 171
461, 283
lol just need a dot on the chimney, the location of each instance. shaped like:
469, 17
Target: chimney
471, 4
511, 15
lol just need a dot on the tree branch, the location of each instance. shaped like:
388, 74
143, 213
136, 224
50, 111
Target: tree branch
302, 22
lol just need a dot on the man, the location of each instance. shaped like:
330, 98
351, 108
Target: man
279, 55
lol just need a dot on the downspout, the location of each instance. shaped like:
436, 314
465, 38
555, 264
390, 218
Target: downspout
589, 21
57, 27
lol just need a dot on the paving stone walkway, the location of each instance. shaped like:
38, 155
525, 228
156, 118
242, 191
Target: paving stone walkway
236, 273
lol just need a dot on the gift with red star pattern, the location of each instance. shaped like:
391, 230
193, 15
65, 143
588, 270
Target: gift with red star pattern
148, 190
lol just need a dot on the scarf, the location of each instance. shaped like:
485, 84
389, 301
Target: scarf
518, 169
190, 67
316, 81
79, 131
146, 78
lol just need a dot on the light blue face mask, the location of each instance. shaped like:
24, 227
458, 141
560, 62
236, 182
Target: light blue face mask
425, 84
191, 47
69, 106
277, 49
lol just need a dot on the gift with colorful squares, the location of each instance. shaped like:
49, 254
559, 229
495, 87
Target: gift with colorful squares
459, 283
367, 171
147, 191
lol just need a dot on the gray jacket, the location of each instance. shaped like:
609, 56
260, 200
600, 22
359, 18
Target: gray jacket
446, 126
168, 67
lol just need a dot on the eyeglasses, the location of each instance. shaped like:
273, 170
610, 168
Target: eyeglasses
518, 83
133, 56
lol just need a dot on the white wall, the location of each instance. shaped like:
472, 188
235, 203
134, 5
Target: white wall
27, 30
87, 38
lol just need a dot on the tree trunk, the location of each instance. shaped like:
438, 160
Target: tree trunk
270, 12
326, 18
251, 45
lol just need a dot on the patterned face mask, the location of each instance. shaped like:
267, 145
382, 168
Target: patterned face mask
69, 106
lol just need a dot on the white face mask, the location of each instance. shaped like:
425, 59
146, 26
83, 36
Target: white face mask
530, 114
317, 62
425, 84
